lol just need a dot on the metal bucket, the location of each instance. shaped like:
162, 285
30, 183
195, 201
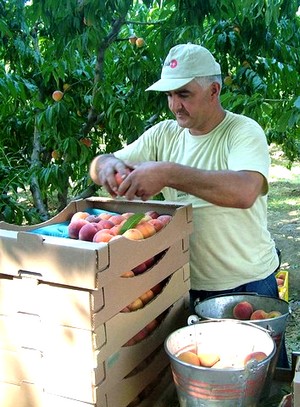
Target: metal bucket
221, 307
198, 386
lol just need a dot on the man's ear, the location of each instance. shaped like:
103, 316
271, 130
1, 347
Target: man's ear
215, 89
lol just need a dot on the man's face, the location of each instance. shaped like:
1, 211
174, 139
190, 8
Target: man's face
192, 106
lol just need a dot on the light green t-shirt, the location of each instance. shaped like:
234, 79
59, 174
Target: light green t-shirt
229, 246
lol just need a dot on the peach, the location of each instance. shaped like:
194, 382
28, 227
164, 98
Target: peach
259, 314
87, 232
255, 356
131, 342
146, 218
105, 215
189, 357
57, 95
165, 219
157, 224
120, 178
147, 296
116, 219
149, 263
79, 215
102, 236
157, 288
105, 224
280, 281
133, 234
152, 325
146, 229
142, 334
135, 305
242, 310
127, 274
75, 226
125, 309
141, 268
274, 314
115, 230
93, 218
281, 275
208, 359
152, 214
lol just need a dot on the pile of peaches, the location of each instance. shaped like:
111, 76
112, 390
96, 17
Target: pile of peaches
243, 310
107, 226
149, 328
206, 357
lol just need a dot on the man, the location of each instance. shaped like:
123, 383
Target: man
214, 159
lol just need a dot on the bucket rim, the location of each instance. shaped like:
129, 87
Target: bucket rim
250, 294
224, 321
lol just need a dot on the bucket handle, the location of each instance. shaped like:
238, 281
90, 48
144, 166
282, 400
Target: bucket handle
194, 319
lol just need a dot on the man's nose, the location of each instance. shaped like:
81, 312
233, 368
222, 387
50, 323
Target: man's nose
175, 103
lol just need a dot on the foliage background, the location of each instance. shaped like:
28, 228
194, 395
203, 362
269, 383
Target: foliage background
84, 49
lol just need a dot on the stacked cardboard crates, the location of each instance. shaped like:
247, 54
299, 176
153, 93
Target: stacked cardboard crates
64, 339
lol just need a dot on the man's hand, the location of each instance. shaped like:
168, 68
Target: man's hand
103, 172
145, 181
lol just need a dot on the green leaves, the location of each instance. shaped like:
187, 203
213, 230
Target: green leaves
131, 222
45, 45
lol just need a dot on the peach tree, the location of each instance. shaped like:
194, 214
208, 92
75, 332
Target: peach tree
73, 77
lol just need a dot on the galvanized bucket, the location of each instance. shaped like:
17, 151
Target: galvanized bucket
221, 307
199, 386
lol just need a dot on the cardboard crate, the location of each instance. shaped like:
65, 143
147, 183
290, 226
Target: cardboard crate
284, 290
130, 387
160, 393
32, 395
70, 361
127, 361
127, 358
85, 309
84, 264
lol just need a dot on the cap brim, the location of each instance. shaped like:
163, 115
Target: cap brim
165, 85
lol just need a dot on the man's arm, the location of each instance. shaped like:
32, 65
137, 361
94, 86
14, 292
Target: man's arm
236, 189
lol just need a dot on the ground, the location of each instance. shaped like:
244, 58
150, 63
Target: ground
284, 225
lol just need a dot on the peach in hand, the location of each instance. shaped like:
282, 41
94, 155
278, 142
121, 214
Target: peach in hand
120, 178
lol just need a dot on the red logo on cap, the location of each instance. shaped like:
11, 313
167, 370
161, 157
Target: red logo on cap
173, 63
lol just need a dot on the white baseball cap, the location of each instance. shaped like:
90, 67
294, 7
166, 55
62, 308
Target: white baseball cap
184, 63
